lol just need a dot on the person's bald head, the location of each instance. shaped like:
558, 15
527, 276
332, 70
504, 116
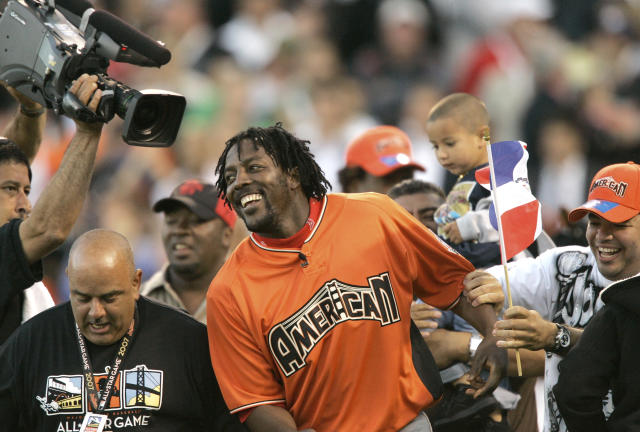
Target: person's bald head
104, 285
101, 247
466, 110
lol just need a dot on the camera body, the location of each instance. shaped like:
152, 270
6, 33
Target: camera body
42, 52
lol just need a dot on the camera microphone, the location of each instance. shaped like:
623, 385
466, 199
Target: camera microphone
44, 48
119, 31
124, 34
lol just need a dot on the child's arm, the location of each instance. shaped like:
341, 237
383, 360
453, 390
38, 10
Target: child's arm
452, 233
475, 225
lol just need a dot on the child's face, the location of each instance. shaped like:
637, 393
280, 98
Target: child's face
457, 149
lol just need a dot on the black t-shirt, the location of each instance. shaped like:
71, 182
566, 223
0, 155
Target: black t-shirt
16, 275
166, 382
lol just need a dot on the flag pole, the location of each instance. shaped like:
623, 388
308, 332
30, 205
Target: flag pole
503, 253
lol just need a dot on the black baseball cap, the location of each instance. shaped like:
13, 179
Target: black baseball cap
201, 198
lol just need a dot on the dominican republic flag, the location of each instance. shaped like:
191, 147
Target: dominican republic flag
519, 209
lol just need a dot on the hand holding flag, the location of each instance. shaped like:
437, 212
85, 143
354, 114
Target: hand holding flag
518, 220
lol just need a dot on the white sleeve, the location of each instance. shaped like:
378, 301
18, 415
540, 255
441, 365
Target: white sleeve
36, 299
475, 225
532, 282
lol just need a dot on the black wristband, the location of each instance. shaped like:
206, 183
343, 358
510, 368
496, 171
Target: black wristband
31, 112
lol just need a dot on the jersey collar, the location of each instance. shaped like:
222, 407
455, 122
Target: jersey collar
295, 242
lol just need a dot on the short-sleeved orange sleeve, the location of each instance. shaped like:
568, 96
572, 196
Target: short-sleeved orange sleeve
245, 376
436, 270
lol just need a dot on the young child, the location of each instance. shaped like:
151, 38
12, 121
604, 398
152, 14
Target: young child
458, 128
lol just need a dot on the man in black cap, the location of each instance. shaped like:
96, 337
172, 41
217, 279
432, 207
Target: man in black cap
196, 233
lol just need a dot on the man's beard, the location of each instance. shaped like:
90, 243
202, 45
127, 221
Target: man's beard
267, 224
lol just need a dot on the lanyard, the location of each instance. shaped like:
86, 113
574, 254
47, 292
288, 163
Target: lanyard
113, 371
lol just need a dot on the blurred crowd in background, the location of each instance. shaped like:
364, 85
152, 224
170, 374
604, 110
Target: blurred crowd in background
561, 75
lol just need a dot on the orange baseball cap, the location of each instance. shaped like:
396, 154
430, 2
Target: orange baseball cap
381, 150
614, 194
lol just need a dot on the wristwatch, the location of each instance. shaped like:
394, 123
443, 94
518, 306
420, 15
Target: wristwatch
562, 339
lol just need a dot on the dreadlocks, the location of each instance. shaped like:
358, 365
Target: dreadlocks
291, 154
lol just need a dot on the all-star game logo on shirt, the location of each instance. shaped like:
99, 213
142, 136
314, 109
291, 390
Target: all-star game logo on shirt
291, 340
136, 391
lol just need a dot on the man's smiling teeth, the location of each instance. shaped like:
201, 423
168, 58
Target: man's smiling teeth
249, 198
179, 246
608, 251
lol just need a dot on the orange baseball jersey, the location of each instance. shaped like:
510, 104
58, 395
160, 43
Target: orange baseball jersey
326, 333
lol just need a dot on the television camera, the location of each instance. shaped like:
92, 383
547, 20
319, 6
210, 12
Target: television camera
44, 46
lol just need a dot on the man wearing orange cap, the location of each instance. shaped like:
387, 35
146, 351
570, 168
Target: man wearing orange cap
561, 292
196, 233
607, 355
378, 159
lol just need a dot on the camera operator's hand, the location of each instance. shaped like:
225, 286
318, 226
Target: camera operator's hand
86, 91
28, 104
27, 125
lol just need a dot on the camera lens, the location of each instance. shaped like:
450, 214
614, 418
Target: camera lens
152, 117
147, 115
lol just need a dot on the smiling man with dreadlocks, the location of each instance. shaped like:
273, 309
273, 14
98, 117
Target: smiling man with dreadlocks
309, 318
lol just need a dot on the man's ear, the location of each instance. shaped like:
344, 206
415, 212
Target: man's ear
136, 281
293, 178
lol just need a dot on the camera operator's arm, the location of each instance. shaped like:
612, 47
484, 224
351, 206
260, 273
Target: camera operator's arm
61, 201
26, 127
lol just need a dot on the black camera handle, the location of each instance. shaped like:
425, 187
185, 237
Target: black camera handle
75, 109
